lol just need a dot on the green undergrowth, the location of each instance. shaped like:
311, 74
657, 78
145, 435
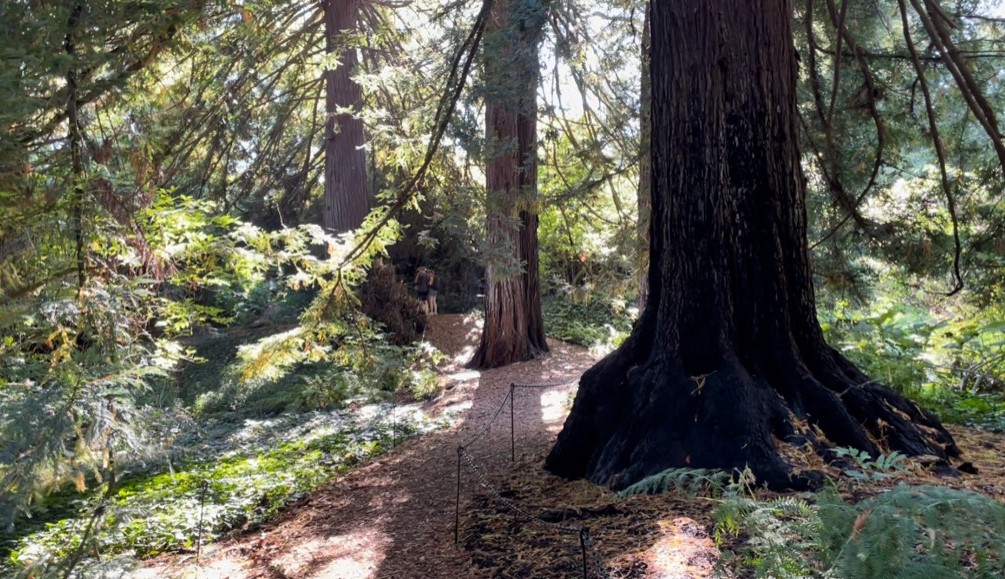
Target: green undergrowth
689, 480
226, 449
907, 532
215, 387
949, 357
231, 477
596, 322
904, 532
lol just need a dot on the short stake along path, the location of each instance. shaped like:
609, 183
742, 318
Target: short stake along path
583, 532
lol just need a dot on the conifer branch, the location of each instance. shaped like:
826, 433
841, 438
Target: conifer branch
939, 149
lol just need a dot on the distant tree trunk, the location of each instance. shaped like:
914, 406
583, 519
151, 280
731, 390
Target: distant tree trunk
645, 165
728, 365
514, 325
347, 200
75, 138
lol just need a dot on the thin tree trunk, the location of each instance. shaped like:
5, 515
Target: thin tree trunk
347, 200
75, 139
645, 166
514, 324
727, 365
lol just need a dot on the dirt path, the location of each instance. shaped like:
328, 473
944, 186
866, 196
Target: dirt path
393, 518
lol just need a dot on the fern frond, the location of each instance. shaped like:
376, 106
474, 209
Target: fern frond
692, 481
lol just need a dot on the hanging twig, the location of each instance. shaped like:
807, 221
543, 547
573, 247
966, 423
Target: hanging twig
958, 68
830, 159
939, 150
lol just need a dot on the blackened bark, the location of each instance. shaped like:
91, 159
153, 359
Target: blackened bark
728, 362
514, 325
347, 200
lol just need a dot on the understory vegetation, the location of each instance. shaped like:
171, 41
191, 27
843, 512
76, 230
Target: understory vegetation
901, 532
219, 477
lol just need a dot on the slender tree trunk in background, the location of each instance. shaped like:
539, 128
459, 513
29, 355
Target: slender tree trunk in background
645, 164
347, 200
75, 138
514, 325
728, 365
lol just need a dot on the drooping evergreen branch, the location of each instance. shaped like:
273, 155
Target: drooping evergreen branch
935, 23
939, 149
848, 203
460, 68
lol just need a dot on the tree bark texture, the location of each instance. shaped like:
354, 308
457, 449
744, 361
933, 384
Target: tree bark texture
645, 164
728, 363
347, 200
514, 325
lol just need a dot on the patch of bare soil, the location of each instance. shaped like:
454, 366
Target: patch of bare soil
394, 517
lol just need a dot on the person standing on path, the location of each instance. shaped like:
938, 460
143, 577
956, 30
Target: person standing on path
431, 300
422, 287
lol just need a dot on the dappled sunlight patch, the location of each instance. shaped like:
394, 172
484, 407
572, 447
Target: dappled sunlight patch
623, 531
684, 549
355, 555
555, 405
464, 376
456, 335
224, 566
464, 355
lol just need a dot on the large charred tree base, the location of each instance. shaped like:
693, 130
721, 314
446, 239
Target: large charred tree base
728, 363
639, 412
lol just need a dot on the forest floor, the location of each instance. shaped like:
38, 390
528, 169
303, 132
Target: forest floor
394, 517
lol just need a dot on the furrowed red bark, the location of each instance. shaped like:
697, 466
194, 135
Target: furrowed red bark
514, 325
347, 199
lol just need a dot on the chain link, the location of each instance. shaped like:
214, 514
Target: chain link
531, 517
488, 425
599, 570
546, 386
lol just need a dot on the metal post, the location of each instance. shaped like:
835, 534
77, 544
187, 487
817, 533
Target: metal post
394, 428
512, 424
457, 508
583, 533
202, 511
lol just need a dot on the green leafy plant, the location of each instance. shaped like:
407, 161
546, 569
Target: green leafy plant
870, 468
598, 323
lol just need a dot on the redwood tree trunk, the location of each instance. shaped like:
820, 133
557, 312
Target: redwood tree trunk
347, 200
514, 326
728, 364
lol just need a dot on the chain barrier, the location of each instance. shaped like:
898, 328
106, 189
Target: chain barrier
512, 408
544, 386
463, 456
529, 516
488, 425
